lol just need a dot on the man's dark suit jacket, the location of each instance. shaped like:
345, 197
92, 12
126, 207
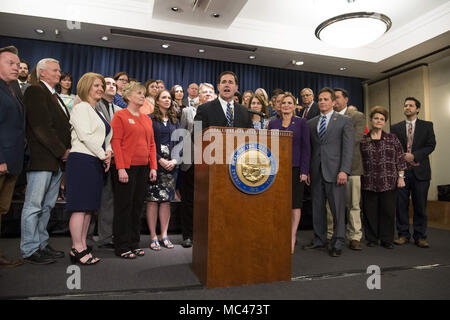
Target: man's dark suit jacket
423, 145
12, 130
312, 112
48, 129
211, 114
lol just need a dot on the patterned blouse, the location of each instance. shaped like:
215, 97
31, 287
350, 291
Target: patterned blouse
382, 160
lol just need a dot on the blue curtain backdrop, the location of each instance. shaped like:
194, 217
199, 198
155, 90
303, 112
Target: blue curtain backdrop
79, 59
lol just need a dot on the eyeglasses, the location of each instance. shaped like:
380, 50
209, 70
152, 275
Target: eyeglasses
306, 95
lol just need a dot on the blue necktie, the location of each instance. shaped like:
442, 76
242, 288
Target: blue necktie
229, 115
323, 126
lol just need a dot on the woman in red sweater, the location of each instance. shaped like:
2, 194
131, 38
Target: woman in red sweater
135, 159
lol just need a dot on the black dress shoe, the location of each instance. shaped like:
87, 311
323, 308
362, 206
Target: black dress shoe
187, 243
37, 258
314, 246
335, 252
52, 253
372, 244
387, 245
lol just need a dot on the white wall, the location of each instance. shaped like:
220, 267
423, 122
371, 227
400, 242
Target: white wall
439, 83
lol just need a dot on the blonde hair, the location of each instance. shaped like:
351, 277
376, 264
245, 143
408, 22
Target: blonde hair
130, 88
86, 82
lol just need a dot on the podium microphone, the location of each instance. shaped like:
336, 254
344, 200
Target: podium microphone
256, 112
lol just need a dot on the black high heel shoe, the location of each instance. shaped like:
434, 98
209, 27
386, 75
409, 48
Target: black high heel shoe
77, 256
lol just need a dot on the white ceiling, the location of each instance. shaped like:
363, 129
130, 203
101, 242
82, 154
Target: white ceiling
276, 32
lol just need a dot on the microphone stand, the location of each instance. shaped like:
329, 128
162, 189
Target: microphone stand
260, 114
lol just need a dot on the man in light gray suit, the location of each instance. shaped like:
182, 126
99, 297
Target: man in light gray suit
106, 212
353, 186
332, 140
187, 169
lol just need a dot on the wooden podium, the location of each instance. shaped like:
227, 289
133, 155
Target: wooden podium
241, 238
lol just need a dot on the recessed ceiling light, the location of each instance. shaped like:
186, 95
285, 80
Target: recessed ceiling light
176, 9
216, 15
104, 38
201, 50
342, 68
165, 45
252, 57
40, 31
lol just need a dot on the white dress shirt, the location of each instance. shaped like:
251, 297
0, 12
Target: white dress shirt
223, 103
52, 90
413, 126
328, 117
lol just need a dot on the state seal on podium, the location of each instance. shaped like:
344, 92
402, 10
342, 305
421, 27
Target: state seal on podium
253, 168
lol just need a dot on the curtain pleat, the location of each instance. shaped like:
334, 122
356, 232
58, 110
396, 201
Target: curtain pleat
78, 59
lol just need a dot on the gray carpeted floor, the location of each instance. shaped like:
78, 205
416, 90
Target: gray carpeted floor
408, 272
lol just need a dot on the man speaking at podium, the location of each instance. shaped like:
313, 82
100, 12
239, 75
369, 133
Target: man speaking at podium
221, 112
224, 111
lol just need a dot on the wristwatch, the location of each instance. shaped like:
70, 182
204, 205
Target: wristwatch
401, 175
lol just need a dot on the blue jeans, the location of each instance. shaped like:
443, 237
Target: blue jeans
40, 198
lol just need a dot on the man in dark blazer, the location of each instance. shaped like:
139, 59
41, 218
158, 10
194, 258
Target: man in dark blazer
12, 133
418, 141
332, 140
214, 113
192, 97
22, 81
221, 112
48, 136
310, 108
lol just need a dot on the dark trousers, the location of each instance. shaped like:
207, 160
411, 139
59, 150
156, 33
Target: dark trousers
128, 206
418, 190
379, 215
187, 198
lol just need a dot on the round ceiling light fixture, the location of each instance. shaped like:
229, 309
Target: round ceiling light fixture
352, 30
39, 31
252, 57
165, 45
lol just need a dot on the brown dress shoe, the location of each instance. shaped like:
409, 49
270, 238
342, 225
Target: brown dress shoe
5, 263
355, 245
422, 243
400, 241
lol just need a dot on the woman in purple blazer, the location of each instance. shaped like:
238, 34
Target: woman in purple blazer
300, 155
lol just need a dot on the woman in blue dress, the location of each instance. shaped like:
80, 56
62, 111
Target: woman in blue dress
258, 103
162, 191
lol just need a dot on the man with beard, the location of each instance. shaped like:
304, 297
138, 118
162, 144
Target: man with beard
23, 76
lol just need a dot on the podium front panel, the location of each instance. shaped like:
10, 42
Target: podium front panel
242, 238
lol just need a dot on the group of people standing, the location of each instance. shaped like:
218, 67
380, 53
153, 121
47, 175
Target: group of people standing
116, 148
